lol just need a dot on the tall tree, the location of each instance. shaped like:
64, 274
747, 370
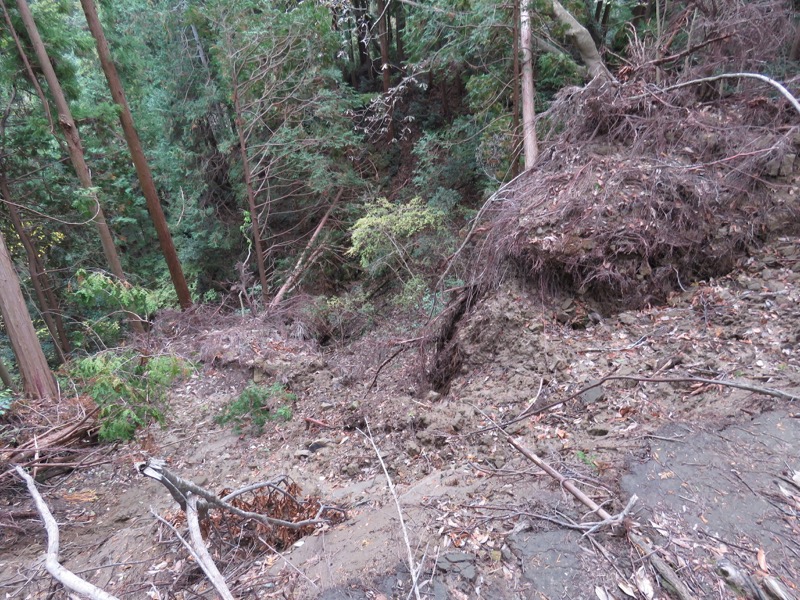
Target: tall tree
37, 379
137, 155
530, 146
72, 137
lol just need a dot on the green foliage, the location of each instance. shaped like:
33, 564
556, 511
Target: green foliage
129, 388
553, 72
6, 400
384, 238
257, 405
109, 301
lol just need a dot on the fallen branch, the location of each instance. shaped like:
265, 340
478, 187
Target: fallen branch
688, 51
302, 263
380, 367
180, 489
660, 565
54, 439
786, 93
412, 567
203, 557
63, 575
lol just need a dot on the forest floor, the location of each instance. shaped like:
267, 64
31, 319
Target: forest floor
716, 469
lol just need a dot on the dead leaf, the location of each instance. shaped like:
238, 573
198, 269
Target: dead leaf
627, 588
644, 584
762, 560
602, 594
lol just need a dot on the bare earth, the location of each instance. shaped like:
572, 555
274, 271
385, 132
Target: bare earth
715, 468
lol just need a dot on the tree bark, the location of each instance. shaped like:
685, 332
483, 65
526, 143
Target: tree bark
530, 146
70, 130
37, 380
582, 39
138, 157
41, 282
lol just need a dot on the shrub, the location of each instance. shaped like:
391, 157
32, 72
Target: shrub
257, 405
130, 389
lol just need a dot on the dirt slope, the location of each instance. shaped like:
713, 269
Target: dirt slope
714, 467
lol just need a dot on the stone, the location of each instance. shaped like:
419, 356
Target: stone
302, 453
592, 395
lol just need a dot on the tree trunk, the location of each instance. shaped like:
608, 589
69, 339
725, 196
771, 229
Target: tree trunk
67, 124
39, 278
383, 39
530, 146
137, 155
37, 380
251, 195
517, 83
582, 39
400, 27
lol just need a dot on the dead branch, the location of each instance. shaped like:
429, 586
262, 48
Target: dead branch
57, 437
302, 263
660, 565
412, 567
723, 382
180, 489
786, 93
64, 576
380, 368
688, 51
205, 561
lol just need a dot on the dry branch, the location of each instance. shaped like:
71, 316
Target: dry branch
412, 566
667, 573
778, 86
66, 577
204, 558
181, 489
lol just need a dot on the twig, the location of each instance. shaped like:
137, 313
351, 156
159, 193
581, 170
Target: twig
383, 364
66, 577
724, 382
411, 563
695, 48
320, 423
205, 561
667, 573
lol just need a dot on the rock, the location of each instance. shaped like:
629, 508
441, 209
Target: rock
326, 405
458, 563
302, 453
352, 469
433, 396
592, 395
319, 444
412, 449
627, 319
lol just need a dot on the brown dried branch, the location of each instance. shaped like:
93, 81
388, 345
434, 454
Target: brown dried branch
660, 565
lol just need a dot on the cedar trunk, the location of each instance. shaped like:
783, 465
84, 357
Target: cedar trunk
137, 155
37, 379
67, 124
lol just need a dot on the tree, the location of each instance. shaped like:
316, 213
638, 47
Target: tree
530, 146
137, 155
72, 137
37, 379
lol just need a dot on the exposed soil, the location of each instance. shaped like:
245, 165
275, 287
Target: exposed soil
715, 468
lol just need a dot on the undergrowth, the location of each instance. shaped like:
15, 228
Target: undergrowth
130, 389
257, 405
